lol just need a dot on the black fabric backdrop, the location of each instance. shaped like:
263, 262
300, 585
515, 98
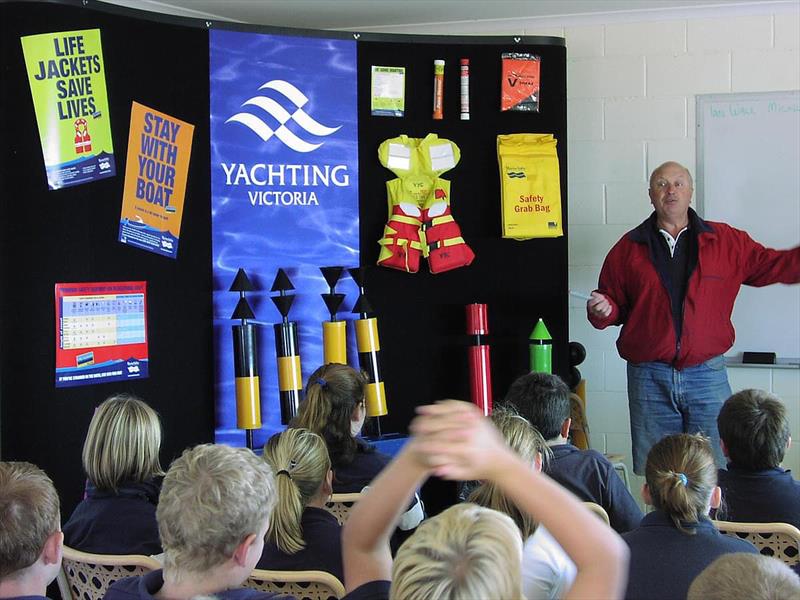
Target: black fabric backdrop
70, 235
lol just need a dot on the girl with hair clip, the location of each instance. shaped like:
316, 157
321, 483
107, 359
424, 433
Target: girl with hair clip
120, 457
547, 571
302, 535
468, 551
676, 541
334, 408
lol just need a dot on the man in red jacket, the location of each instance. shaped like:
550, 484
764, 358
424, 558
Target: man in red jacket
671, 283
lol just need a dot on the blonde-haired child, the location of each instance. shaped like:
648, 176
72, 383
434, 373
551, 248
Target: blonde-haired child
302, 535
120, 457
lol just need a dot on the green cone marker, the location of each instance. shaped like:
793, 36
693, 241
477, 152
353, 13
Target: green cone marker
540, 344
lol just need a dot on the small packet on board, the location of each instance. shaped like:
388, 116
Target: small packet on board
519, 87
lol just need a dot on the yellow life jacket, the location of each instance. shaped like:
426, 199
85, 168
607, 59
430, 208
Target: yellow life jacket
420, 224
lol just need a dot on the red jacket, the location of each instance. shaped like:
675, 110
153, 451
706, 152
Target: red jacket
727, 258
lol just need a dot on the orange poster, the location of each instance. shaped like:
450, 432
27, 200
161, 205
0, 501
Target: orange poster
159, 148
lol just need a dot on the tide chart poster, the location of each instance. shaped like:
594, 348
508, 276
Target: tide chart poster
159, 147
101, 332
68, 85
284, 185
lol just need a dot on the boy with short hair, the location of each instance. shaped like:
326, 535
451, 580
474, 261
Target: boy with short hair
754, 435
30, 531
543, 399
212, 515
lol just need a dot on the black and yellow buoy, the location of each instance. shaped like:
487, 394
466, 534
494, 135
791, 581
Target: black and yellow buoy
290, 379
369, 350
334, 332
245, 361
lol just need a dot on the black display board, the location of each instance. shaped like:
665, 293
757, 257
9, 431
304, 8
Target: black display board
70, 235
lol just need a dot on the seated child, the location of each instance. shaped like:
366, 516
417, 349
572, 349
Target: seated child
543, 399
469, 551
120, 457
30, 532
213, 514
754, 433
334, 409
547, 571
751, 576
675, 542
302, 535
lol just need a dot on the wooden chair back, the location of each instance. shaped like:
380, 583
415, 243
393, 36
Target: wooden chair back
778, 540
340, 505
599, 511
303, 585
86, 576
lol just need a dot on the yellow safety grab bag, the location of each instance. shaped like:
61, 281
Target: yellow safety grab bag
530, 186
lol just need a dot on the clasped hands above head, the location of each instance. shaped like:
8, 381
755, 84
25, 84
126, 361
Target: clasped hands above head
454, 440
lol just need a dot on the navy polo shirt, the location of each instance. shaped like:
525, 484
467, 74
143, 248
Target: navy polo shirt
372, 590
769, 496
121, 523
365, 466
590, 476
323, 551
664, 561
144, 588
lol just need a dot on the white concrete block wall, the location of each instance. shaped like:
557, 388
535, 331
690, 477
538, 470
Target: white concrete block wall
631, 85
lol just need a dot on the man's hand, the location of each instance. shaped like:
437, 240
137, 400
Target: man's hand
598, 305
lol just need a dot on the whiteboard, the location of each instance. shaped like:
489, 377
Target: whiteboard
748, 175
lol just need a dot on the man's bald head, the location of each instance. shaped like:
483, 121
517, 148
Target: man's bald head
670, 164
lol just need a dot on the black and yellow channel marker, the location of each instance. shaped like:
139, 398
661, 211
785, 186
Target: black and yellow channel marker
245, 361
369, 350
334, 332
290, 380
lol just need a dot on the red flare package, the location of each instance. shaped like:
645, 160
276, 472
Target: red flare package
519, 89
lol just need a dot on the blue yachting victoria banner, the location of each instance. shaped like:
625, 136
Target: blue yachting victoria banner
284, 187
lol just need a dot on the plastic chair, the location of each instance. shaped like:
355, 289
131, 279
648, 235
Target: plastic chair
86, 576
340, 505
599, 511
303, 585
778, 540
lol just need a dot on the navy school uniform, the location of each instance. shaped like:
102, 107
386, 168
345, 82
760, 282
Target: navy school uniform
372, 590
590, 476
26, 598
323, 551
768, 496
664, 561
121, 523
365, 466
146, 586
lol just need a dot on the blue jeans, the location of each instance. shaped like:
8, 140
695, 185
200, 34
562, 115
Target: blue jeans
663, 401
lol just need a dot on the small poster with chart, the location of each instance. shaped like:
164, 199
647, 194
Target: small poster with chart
101, 332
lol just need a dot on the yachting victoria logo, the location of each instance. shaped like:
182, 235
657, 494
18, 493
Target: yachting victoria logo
277, 111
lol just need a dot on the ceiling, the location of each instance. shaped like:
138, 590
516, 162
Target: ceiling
374, 14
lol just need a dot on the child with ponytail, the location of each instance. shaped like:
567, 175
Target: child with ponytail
676, 541
334, 408
302, 535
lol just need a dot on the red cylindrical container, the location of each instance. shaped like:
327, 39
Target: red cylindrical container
480, 372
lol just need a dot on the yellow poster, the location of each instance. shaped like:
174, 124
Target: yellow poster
159, 148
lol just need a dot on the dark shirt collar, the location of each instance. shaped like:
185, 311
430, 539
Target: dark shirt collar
643, 231
763, 473
563, 449
659, 518
144, 490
